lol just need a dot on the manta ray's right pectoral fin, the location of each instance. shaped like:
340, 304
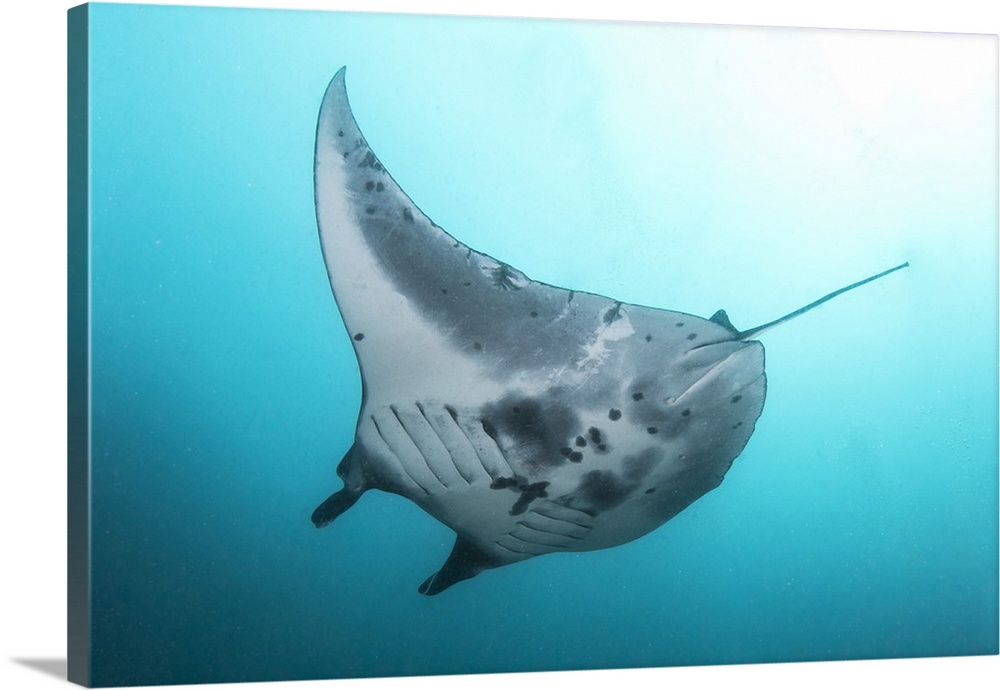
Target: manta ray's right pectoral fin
354, 485
466, 560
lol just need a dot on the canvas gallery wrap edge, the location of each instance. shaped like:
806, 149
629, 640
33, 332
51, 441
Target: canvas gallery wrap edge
491, 307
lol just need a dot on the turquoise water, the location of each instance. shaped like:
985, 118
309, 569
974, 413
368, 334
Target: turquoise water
691, 168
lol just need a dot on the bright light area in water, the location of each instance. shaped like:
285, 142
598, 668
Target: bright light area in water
940, 68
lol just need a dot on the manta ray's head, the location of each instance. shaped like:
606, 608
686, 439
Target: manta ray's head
715, 389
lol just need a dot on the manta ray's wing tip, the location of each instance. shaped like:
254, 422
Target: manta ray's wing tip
335, 111
338, 83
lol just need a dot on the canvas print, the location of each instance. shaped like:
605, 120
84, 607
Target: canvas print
469, 292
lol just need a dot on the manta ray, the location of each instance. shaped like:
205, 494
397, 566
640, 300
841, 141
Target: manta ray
528, 418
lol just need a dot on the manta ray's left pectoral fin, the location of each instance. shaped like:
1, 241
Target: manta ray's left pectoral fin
466, 560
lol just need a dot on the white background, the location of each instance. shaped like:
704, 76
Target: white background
33, 334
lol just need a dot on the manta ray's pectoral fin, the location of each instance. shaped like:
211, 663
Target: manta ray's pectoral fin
466, 560
354, 485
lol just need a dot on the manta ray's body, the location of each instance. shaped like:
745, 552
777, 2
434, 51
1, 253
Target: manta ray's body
528, 418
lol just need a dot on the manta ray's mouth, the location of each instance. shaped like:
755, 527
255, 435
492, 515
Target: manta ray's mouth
727, 367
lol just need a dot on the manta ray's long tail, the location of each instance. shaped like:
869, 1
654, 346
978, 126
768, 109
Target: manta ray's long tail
750, 333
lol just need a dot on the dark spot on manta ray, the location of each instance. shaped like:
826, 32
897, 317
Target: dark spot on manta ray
692, 336
407, 214
504, 278
737, 425
581, 441
600, 490
477, 346
369, 185
534, 314
685, 413
369, 210
614, 415
637, 396
566, 451
467, 283
359, 336
651, 430
370, 161
521, 504
528, 494
340, 132
443, 291
680, 324
603, 447
529, 429
613, 314
595, 434
379, 187
575, 456
649, 491
504, 483
538, 489
736, 398
648, 337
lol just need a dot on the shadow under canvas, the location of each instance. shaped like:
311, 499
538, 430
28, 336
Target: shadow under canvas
50, 667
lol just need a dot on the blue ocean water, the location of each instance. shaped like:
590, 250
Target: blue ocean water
683, 167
